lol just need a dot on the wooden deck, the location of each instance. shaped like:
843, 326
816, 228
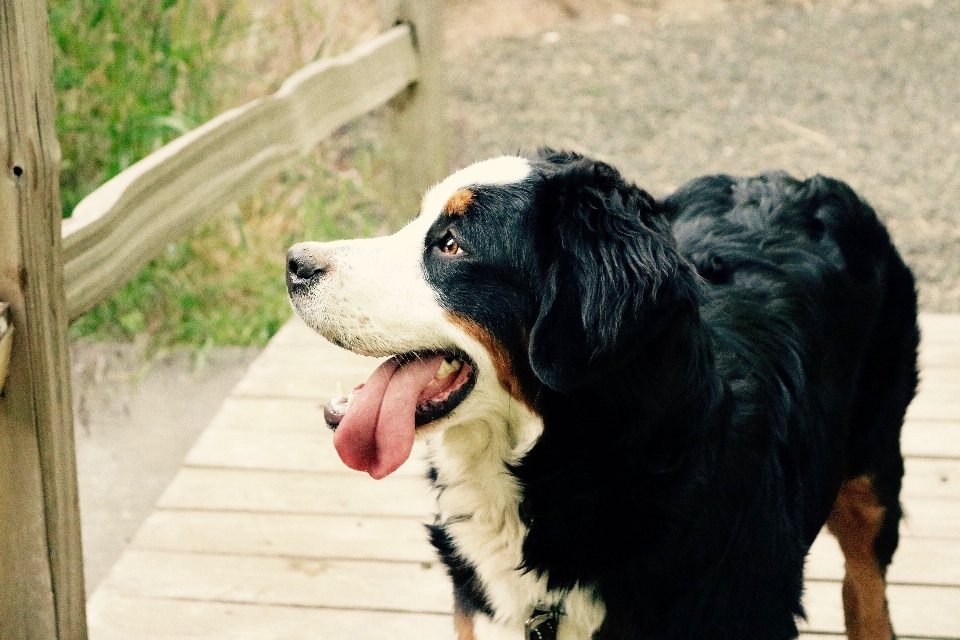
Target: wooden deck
265, 535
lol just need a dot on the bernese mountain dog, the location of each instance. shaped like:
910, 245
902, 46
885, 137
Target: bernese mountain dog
638, 413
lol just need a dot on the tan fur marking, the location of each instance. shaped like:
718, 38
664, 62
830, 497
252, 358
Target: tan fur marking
506, 374
463, 625
855, 522
458, 203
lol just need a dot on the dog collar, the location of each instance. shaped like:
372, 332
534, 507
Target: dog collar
542, 625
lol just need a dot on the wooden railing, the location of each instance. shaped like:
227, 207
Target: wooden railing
52, 270
118, 227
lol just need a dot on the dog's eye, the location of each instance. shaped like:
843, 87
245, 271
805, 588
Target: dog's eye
449, 245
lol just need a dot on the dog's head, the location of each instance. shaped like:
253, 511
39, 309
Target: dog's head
518, 273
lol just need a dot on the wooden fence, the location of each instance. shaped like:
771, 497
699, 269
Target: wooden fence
51, 271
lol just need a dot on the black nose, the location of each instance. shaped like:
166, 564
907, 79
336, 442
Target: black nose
303, 264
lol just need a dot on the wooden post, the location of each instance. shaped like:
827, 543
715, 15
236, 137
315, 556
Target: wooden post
41, 572
416, 142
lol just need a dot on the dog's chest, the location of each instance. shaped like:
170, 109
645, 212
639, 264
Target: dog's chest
478, 502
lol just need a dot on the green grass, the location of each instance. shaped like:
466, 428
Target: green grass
130, 76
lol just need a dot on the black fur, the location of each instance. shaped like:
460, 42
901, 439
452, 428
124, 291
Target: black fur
468, 595
709, 369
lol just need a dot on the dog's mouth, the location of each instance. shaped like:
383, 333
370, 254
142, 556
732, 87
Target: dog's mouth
376, 422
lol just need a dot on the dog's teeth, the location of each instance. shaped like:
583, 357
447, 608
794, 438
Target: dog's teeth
350, 397
340, 392
449, 366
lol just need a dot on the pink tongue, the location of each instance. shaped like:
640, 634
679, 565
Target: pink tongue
376, 434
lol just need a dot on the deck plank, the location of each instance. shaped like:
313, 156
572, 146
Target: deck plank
931, 518
275, 414
931, 438
918, 561
420, 587
939, 355
940, 409
273, 491
285, 535
113, 616
281, 451
934, 327
931, 478
265, 534
306, 373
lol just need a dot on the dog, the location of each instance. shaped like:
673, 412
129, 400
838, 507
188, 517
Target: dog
638, 413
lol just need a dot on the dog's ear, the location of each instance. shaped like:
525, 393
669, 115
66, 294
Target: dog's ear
611, 271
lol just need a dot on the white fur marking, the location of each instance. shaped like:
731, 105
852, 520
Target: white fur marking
496, 171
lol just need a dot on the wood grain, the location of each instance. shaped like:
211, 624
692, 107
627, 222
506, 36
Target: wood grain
931, 478
931, 438
41, 574
385, 586
117, 617
119, 227
415, 141
346, 493
333, 537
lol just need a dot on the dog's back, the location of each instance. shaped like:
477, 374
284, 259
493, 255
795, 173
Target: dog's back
807, 290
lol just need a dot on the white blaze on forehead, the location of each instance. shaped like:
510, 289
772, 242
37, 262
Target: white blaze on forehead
381, 280
502, 170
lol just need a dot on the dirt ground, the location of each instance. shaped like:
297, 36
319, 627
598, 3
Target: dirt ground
867, 92
134, 422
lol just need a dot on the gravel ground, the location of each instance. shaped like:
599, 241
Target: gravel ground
867, 93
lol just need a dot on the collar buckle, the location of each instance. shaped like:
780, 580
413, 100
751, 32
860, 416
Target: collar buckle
542, 625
